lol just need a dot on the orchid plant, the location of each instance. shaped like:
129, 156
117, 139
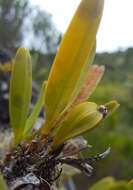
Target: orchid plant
36, 155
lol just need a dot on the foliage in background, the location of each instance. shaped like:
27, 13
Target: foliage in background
117, 131
12, 16
20, 19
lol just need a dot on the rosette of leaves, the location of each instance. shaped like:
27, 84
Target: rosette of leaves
36, 157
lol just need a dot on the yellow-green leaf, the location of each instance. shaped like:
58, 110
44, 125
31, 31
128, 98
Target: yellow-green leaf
120, 186
109, 183
75, 52
20, 92
94, 75
130, 184
104, 184
112, 106
82, 118
35, 112
2, 184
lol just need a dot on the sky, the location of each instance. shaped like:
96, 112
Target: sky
116, 29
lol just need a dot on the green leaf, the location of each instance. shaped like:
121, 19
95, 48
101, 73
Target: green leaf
81, 119
75, 53
112, 106
35, 112
103, 184
20, 92
120, 186
130, 184
94, 75
2, 184
109, 183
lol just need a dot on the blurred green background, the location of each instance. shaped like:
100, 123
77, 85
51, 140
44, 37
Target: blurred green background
20, 24
116, 131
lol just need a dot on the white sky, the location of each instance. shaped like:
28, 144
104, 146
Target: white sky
116, 29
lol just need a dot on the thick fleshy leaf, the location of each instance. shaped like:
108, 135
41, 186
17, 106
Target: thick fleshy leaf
93, 78
2, 184
20, 92
35, 112
83, 118
75, 52
109, 183
103, 184
52, 125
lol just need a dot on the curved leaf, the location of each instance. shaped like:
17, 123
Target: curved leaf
83, 118
109, 183
75, 52
20, 92
111, 106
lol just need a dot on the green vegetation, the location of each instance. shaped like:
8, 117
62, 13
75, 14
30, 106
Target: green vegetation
19, 19
67, 100
110, 184
118, 129
39, 154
